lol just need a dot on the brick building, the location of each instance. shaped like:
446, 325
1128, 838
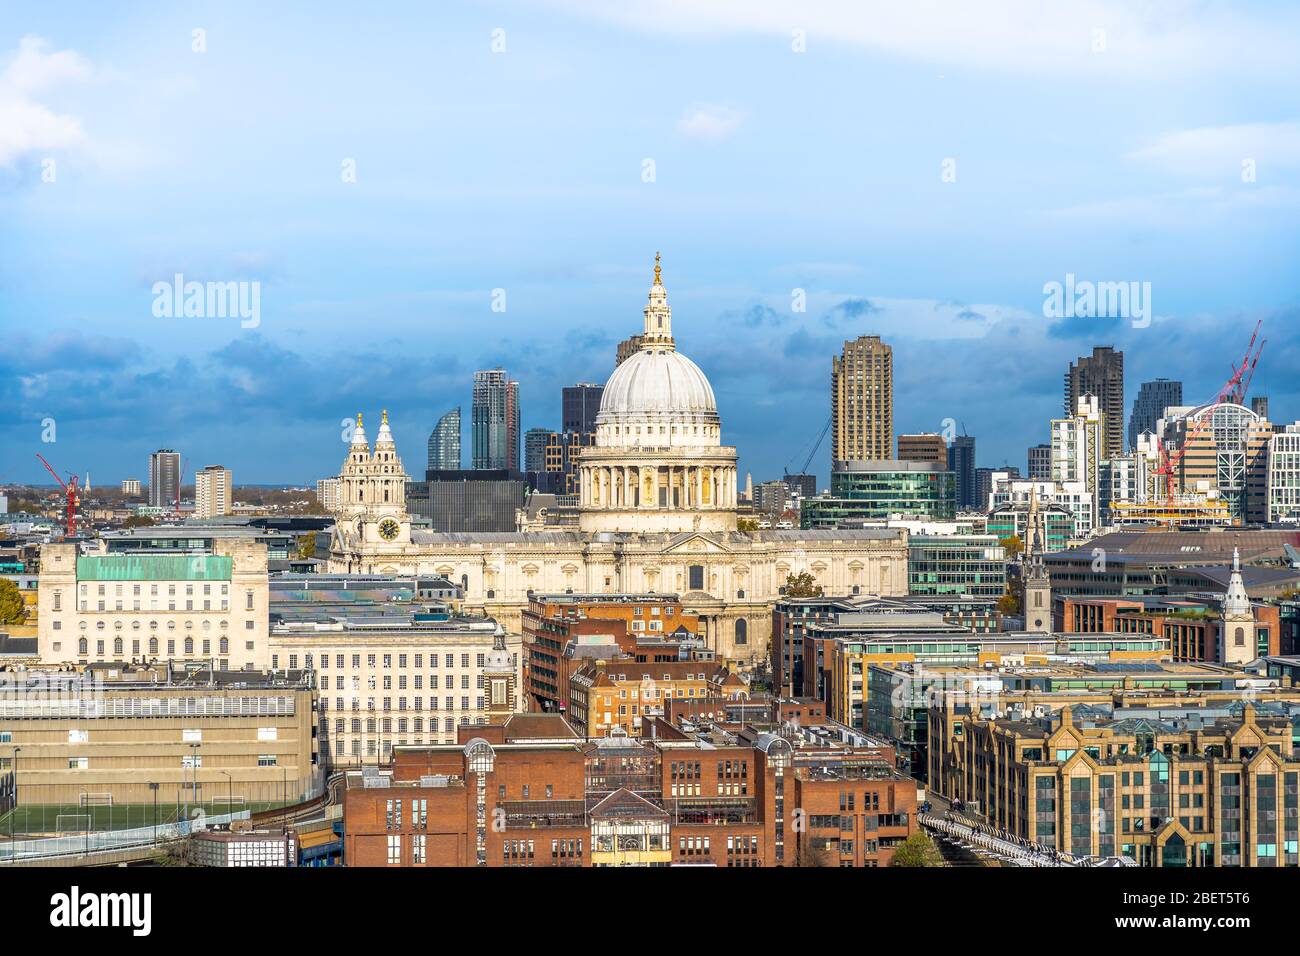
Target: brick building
534, 796
561, 629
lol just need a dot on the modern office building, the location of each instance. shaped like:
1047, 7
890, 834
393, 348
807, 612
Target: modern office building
444, 443
131, 486
1012, 520
496, 421
961, 462
213, 492
1122, 482
880, 489
535, 441
1284, 477
956, 563
327, 494
927, 446
986, 479
1100, 375
164, 478
862, 401
1040, 463
579, 406
1225, 451
468, 501
1078, 448
1184, 784
1149, 406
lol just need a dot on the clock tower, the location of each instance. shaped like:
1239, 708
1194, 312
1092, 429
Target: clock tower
372, 490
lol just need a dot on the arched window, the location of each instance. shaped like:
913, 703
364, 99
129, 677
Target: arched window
742, 631
225, 645
189, 646
117, 646
83, 646
1239, 637
153, 645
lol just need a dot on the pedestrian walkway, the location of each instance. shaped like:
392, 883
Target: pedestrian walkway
982, 838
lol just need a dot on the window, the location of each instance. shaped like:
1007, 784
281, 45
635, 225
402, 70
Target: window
267, 760
78, 763
394, 849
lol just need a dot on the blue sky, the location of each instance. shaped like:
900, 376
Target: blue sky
1104, 140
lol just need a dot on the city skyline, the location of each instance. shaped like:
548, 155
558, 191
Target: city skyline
364, 304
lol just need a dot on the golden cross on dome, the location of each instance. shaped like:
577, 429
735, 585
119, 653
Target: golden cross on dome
385, 421
358, 419
657, 279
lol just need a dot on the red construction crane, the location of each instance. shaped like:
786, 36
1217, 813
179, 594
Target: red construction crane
70, 492
1233, 392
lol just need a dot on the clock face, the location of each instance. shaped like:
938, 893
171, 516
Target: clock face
389, 529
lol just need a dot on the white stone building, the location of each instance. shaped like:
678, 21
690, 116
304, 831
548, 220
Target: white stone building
658, 514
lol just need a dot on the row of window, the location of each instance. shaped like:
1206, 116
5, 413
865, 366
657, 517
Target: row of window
340, 703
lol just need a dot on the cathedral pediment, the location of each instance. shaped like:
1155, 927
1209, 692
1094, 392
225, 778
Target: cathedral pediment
693, 542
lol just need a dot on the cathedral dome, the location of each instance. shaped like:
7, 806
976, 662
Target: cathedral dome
659, 381
657, 396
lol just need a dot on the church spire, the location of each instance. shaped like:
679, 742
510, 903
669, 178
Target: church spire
658, 315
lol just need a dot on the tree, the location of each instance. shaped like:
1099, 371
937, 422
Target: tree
802, 585
307, 546
810, 855
12, 610
1012, 602
1014, 545
746, 524
138, 521
917, 850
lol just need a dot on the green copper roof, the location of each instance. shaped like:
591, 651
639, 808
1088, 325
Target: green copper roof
155, 567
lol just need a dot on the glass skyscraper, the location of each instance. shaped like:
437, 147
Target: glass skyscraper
496, 421
444, 443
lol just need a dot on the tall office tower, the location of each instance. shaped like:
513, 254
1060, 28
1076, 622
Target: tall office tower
164, 478
862, 401
1149, 406
444, 443
1040, 462
926, 446
961, 462
1077, 442
496, 421
212, 492
535, 440
1259, 405
1101, 374
627, 348
580, 405
327, 494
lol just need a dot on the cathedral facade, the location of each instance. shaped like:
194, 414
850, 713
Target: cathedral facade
658, 514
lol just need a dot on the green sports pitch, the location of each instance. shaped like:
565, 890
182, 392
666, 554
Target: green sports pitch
48, 819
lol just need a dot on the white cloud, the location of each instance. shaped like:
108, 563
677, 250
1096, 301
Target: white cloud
709, 122
27, 126
1014, 36
1220, 150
